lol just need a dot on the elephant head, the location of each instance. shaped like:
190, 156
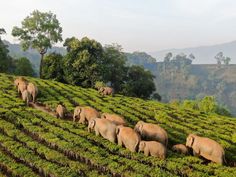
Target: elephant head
139, 127
101, 89
103, 116
91, 125
142, 145
77, 112
190, 140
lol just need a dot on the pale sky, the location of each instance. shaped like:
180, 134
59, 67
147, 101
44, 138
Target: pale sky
137, 25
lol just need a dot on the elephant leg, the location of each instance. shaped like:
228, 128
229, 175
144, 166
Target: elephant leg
82, 119
33, 98
195, 154
74, 118
97, 132
146, 152
119, 141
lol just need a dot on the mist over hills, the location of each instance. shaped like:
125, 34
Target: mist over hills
203, 54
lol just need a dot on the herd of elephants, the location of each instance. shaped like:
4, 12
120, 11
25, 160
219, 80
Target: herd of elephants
145, 137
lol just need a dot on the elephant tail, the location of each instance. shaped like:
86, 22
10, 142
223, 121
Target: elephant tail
225, 162
166, 142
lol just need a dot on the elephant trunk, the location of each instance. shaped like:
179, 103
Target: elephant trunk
89, 129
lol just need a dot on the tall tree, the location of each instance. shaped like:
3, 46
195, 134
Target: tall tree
83, 62
5, 60
139, 82
219, 58
227, 60
168, 57
39, 31
114, 69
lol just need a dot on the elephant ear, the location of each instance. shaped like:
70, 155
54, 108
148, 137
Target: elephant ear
104, 116
93, 123
191, 139
140, 128
79, 110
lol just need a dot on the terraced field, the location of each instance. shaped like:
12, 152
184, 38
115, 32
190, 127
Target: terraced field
34, 143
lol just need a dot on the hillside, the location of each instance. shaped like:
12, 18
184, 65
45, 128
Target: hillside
197, 82
203, 54
34, 143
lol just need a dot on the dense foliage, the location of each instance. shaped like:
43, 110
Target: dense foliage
207, 104
33, 143
83, 62
53, 67
5, 60
23, 67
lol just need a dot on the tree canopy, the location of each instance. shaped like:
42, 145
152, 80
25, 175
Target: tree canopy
83, 62
23, 67
53, 67
139, 82
39, 31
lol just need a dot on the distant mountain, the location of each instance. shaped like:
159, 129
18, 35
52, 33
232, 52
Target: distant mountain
203, 54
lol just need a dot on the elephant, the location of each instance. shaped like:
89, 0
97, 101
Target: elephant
116, 119
21, 84
85, 114
61, 111
106, 91
26, 97
206, 147
18, 80
128, 137
153, 148
151, 132
103, 127
33, 90
180, 148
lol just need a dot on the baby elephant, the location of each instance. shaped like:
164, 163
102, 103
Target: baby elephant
180, 148
116, 119
33, 90
85, 114
106, 91
151, 132
207, 148
26, 97
103, 127
61, 111
128, 137
153, 148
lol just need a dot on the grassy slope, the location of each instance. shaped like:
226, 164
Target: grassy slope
44, 145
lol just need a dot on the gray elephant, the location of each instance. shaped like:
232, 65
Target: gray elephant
153, 148
180, 148
151, 132
33, 90
116, 119
128, 137
103, 127
106, 91
85, 114
61, 111
206, 147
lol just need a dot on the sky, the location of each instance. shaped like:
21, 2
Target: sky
137, 25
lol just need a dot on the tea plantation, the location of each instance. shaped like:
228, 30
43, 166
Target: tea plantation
34, 143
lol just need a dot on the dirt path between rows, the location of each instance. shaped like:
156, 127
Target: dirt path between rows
43, 108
